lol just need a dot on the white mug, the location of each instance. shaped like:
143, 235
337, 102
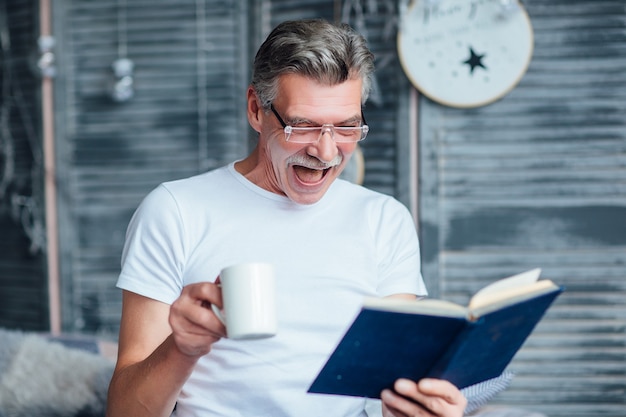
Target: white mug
249, 301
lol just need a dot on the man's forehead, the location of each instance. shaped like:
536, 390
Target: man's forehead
299, 90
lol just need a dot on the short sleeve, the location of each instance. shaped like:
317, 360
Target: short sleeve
153, 255
399, 251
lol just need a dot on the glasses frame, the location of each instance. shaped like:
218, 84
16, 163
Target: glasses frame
288, 129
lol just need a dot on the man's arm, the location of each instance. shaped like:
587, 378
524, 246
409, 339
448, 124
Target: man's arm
159, 346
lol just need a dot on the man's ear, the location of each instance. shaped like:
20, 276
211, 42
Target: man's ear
254, 109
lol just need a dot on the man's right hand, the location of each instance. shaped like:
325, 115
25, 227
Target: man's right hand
195, 327
159, 346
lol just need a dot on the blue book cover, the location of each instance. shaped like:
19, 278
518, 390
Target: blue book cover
391, 339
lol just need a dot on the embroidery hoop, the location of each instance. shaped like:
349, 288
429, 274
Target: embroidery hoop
434, 44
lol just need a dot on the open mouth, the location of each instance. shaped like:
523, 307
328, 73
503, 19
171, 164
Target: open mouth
310, 175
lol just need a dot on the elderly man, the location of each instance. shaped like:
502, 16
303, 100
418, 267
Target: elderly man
332, 244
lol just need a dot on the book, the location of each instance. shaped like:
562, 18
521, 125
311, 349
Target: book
393, 338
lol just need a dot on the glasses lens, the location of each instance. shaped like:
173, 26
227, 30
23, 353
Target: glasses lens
349, 134
313, 134
304, 134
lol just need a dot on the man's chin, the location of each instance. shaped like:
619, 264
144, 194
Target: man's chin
305, 199
308, 195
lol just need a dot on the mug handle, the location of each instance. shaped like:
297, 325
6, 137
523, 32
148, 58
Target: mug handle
218, 313
217, 310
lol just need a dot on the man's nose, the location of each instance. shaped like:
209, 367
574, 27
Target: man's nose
325, 149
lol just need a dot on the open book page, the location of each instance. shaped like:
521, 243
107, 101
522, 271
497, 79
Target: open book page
510, 296
500, 293
502, 288
425, 306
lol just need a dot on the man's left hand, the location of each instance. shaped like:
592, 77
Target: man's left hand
428, 398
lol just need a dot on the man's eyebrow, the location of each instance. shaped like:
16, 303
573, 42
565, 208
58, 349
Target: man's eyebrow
297, 120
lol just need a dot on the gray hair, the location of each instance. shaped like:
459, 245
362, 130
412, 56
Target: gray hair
326, 52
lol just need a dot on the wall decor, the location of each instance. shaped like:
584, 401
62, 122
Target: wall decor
465, 53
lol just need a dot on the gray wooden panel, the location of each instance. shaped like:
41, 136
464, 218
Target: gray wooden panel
23, 284
185, 117
537, 179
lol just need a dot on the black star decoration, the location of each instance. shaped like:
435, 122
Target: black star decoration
474, 61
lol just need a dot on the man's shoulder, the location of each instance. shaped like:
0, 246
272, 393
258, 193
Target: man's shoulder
364, 197
213, 176
190, 190
347, 188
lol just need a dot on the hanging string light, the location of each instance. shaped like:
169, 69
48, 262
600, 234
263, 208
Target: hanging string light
122, 85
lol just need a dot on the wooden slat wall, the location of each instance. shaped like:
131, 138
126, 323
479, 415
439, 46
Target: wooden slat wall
23, 286
186, 117
538, 179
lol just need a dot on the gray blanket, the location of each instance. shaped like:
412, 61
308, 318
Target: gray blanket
40, 377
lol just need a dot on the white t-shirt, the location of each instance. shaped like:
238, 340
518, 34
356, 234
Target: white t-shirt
328, 256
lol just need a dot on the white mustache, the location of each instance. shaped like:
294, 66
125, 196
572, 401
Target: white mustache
312, 162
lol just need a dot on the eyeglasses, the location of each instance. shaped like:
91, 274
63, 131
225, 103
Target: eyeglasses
312, 134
